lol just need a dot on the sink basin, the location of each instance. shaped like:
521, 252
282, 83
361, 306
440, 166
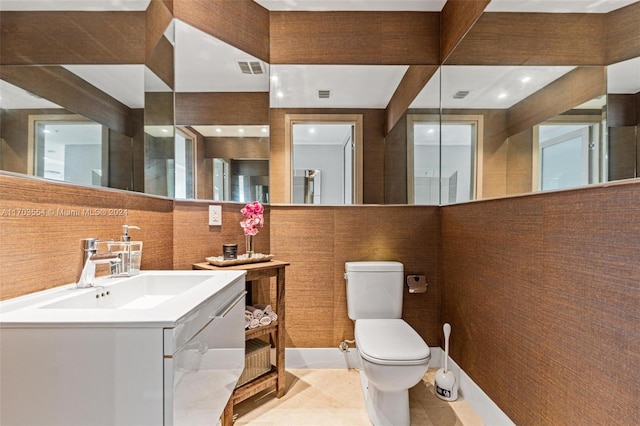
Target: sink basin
150, 299
138, 292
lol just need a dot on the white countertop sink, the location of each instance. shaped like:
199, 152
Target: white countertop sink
158, 348
152, 298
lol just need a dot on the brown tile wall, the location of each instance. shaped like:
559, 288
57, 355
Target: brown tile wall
542, 294
194, 240
319, 240
41, 224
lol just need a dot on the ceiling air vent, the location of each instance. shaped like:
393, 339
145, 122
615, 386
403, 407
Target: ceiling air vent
251, 67
324, 94
461, 94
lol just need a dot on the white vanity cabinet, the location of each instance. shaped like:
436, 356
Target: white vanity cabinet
175, 363
201, 371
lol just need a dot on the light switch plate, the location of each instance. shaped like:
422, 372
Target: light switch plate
215, 215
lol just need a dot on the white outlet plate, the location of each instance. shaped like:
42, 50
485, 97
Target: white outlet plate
215, 215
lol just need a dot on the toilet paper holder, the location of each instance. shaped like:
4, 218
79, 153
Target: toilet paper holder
417, 283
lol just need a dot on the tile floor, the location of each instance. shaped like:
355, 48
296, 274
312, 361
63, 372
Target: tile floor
334, 397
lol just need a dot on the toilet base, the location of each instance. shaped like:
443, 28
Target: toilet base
385, 408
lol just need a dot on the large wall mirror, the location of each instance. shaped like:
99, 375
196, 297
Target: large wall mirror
329, 115
508, 130
222, 100
188, 119
198, 118
520, 128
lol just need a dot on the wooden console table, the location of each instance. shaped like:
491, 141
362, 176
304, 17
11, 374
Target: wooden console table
257, 273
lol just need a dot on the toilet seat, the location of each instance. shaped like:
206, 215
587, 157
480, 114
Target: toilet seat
390, 342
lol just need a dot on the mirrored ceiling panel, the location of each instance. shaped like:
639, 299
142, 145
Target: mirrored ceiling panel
624, 77
557, 6
85, 5
468, 86
333, 5
334, 86
207, 64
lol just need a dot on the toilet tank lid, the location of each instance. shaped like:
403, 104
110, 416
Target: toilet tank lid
373, 266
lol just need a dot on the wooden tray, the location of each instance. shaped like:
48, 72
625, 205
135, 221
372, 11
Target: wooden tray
241, 260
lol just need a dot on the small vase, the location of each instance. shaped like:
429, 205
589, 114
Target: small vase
249, 245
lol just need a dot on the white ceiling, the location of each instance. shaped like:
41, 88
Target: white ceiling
233, 131
321, 134
548, 6
334, 5
351, 86
12, 97
130, 79
624, 77
204, 63
557, 6
86, 5
498, 87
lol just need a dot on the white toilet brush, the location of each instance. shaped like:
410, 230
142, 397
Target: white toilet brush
445, 383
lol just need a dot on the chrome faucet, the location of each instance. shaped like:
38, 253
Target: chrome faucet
90, 259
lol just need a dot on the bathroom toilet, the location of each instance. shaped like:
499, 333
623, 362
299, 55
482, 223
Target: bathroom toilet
394, 357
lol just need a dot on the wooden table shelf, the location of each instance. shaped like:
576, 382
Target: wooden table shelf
260, 274
262, 330
260, 383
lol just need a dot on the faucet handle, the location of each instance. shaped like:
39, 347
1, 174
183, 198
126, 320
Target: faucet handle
89, 244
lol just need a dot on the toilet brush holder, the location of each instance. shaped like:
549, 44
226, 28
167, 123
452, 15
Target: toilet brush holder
445, 383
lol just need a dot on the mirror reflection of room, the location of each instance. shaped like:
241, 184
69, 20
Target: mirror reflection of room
209, 78
323, 163
68, 148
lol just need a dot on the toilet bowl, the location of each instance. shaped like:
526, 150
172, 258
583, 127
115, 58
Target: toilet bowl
394, 357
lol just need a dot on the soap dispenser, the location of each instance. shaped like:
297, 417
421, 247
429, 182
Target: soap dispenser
130, 253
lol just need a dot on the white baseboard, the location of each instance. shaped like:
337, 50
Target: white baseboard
488, 411
321, 358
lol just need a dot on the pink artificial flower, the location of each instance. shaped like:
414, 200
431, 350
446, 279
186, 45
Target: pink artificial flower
253, 213
253, 208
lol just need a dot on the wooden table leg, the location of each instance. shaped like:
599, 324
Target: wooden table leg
280, 386
227, 414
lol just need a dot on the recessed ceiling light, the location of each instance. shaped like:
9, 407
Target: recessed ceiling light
525, 79
218, 130
164, 131
265, 130
312, 130
240, 130
502, 95
280, 95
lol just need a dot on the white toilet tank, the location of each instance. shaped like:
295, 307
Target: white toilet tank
374, 289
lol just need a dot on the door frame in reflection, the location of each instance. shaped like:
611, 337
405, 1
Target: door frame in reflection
35, 155
594, 148
357, 171
220, 179
185, 167
475, 165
